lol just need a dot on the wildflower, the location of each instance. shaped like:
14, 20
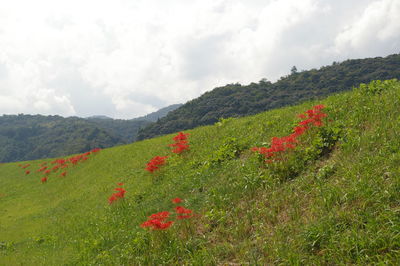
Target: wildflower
179, 147
120, 184
181, 136
182, 210
63, 174
186, 213
181, 143
154, 163
156, 221
112, 198
156, 224
27, 172
117, 195
176, 200
44, 179
42, 169
160, 215
96, 150
121, 192
312, 117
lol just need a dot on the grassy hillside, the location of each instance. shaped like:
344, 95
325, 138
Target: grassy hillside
334, 199
234, 100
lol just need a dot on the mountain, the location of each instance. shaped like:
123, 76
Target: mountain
127, 130
153, 117
235, 100
28, 137
331, 197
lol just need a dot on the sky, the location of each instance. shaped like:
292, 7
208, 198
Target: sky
127, 58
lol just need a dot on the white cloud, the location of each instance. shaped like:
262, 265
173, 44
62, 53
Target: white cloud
127, 58
377, 29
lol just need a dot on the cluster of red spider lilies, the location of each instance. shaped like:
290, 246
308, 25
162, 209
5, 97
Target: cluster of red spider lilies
312, 117
163, 220
180, 145
120, 194
58, 164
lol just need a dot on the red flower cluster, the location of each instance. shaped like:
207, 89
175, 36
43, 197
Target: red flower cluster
117, 195
60, 163
181, 143
183, 210
176, 200
157, 221
312, 117
24, 166
155, 163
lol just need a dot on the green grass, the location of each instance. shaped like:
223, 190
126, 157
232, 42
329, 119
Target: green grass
322, 206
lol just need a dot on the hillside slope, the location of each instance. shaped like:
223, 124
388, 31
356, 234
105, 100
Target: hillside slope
235, 100
332, 200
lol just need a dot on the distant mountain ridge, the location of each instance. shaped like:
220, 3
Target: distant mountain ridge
28, 137
235, 100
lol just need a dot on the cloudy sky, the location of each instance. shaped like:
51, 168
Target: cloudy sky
126, 58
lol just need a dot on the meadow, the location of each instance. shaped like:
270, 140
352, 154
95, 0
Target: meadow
263, 189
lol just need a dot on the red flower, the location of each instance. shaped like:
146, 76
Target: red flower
27, 172
156, 224
154, 163
176, 200
156, 221
117, 195
95, 150
181, 143
181, 136
310, 117
182, 210
160, 215
319, 107
47, 172
42, 169
121, 192
112, 199
44, 179
120, 184
63, 174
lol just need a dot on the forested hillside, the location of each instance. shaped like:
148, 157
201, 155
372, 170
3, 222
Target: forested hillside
28, 137
127, 130
235, 100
